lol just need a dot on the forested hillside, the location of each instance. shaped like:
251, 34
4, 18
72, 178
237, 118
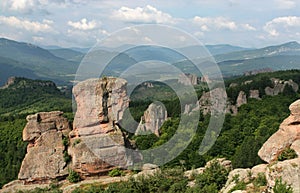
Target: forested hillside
241, 137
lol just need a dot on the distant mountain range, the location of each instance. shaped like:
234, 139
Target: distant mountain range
60, 64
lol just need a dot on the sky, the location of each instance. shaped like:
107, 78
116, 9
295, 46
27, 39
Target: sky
83, 23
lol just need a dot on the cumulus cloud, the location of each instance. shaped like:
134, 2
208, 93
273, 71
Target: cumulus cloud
282, 24
147, 14
27, 25
208, 23
285, 4
220, 23
83, 24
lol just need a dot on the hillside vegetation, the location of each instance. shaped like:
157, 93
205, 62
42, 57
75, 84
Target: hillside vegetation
241, 137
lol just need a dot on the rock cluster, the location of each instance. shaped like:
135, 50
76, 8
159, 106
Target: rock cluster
188, 79
45, 151
279, 86
152, 120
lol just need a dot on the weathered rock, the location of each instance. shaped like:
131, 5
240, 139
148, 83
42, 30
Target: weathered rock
222, 161
148, 166
100, 106
259, 169
190, 174
254, 94
205, 79
296, 146
44, 159
188, 79
148, 84
213, 101
288, 133
238, 174
241, 99
153, 118
279, 85
288, 170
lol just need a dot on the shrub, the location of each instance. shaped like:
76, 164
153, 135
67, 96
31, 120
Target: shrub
260, 180
116, 172
215, 174
67, 157
282, 187
288, 153
73, 177
76, 141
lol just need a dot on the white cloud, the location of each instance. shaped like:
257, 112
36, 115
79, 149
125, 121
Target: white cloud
27, 25
147, 14
208, 23
285, 4
21, 4
220, 23
248, 27
287, 24
83, 24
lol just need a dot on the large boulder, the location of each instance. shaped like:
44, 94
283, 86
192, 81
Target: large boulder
44, 160
288, 133
97, 143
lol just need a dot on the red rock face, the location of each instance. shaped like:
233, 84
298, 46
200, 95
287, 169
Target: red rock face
100, 106
44, 159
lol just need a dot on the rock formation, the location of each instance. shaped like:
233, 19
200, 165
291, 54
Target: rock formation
279, 86
241, 99
210, 101
45, 152
254, 94
288, 136
153, 118
288, 133
99, 144
188, 79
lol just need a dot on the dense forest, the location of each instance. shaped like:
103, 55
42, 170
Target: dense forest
240, 139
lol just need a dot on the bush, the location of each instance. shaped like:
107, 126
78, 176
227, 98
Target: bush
67, 157
73, 177
215, 174
282, 187
116, 172
288, 153
260, 180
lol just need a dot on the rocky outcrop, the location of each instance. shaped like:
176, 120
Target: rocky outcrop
188, 79
288, 133
288, 136
205, 79
254, 94
152, 119
288, 171
98, 143
212, 101
45, 151
279, 86
241, 99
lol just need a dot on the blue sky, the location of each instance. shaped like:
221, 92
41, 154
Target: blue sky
81, 23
